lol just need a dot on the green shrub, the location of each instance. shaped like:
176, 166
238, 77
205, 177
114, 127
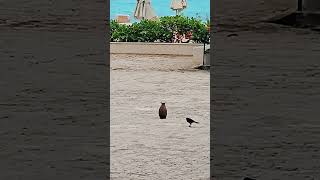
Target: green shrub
118, 32
161, 30
145, 31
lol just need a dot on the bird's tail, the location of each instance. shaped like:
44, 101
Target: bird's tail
196, 122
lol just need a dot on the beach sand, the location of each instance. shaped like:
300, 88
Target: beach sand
142, 145
265, 93
53, 106
235, 15
53, 86
264, 66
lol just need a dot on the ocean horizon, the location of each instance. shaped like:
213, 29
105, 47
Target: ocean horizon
195, 8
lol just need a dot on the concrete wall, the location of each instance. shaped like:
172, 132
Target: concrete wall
178, 49
174, 49
198, 55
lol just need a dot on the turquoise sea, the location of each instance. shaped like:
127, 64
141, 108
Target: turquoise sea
196, 8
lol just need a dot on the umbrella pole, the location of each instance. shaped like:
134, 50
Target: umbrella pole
143, 15
299, 5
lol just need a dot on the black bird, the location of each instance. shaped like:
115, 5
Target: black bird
190, 121
230, 35
163, 111
246, 178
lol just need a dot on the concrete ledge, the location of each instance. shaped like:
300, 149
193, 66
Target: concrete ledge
177, 49
198, 53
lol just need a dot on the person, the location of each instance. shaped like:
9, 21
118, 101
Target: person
176, 37
187, 37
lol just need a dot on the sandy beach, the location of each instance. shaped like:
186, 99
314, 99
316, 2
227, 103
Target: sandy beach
265, 93
53, 101
235, 15
142, 145
53, 86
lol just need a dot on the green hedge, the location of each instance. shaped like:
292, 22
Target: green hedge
160, 31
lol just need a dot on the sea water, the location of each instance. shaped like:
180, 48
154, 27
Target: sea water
196, 8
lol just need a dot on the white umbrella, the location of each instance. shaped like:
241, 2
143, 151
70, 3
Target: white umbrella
178, 5
144, 10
